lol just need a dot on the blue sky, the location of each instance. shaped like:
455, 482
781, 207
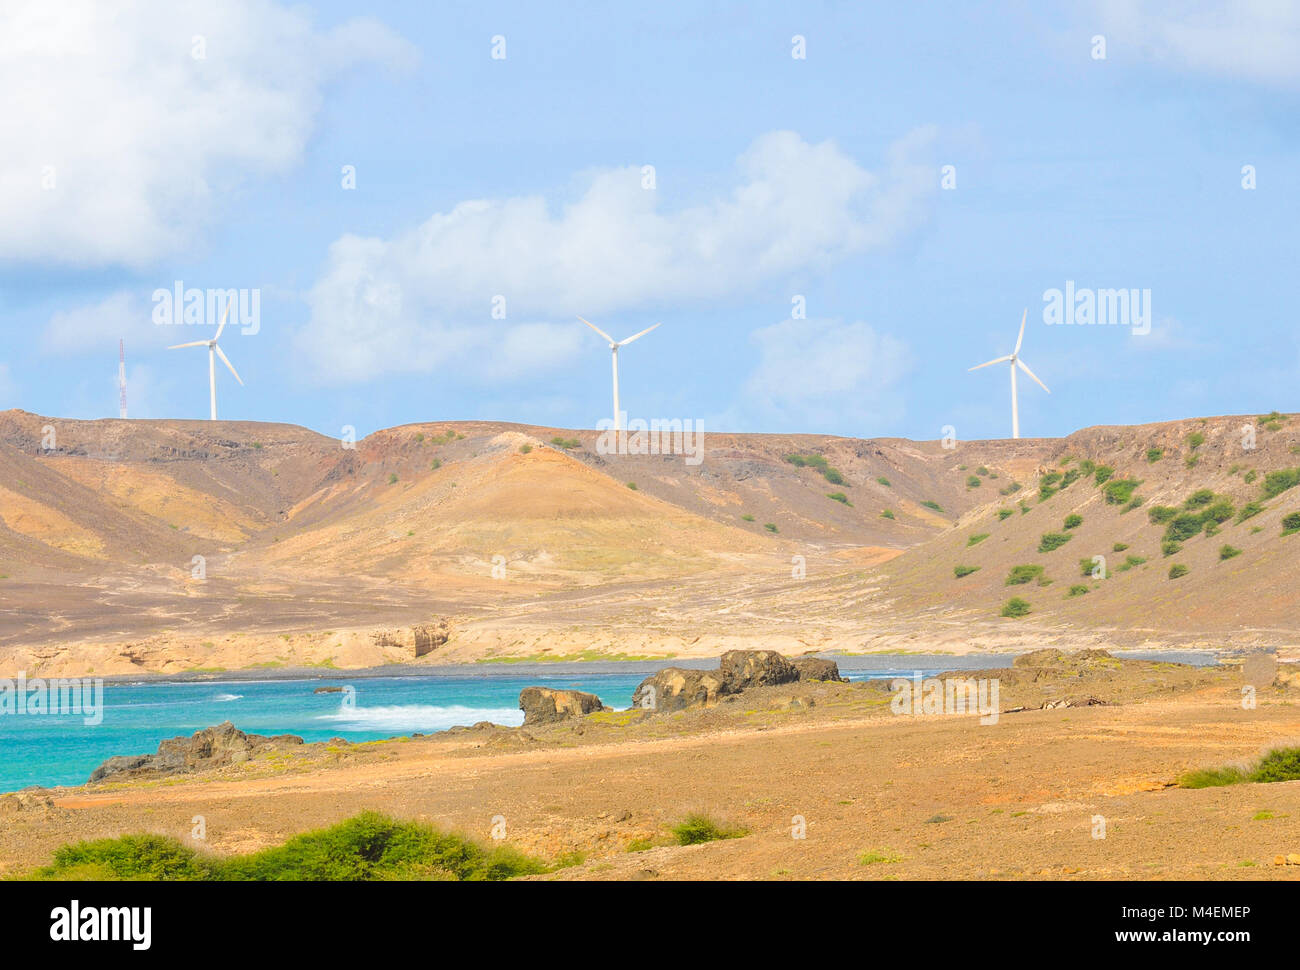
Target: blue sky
775, 177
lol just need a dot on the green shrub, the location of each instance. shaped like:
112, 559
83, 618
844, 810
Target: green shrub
368, 846
1183, 526
887, 514
1102, 473
1129, 562
697, 828
632, 485
1004, 514
1154, 455
1199, 499
1073, 521
1010, 489
1249, 511
884, 481
747, 517
1160, 514
1118, 491
770, 527
973, 481
1020, 575
1275, 483
839, 497
1291, 524
392, 478
525, 449
1219, 511
1170, 548
435, 464
1119, 547
1016, 607
566, 443
1048, 485
1176, 570
833, 476
932, 505
1280, 764
1078, 590
960, 571
1087, 565
1227, 552
1195, 440
1051, 541
1250, 476
976, 539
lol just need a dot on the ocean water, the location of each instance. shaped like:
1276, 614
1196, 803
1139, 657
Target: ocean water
51, 750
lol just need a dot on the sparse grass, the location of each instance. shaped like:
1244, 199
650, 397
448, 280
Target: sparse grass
960, 571
976, 539
1177, 570
1051, 541
1016, 608
1004, 514
368, 846
1020, 575
640, 845
1195, 440
697, 828
874, 857
1279, 764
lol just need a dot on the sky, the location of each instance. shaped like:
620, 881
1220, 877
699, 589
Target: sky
834, 210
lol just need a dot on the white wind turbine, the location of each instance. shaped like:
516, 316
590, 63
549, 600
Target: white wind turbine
613, 349
1015, 361
213, 353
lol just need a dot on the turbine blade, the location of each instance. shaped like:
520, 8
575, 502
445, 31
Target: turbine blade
1000, 360
1025, 367
1021, 339
225, 316
637, 336
196, 343
599, 331
226, 360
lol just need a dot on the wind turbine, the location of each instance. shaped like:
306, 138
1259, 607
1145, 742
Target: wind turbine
213, 353
1014, 359
613, 349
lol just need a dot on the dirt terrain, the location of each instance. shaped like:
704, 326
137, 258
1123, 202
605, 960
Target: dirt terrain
934, 796
310, 553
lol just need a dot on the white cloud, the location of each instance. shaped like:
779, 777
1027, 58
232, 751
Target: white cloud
1256, 40
137, 134
822, 375
91, 327
423, 298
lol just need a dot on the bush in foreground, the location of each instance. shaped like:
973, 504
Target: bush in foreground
697, 828
1280, 764
369, 846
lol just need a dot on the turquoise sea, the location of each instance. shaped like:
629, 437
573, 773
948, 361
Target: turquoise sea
49, 750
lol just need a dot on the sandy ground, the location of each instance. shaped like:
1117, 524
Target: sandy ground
944, 796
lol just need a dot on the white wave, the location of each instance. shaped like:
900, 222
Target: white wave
420, 717
228, 697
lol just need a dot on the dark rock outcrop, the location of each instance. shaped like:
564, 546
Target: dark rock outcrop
676, 688
545, 705
213, 747
814, 668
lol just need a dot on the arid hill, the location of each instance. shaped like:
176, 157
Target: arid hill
129, 546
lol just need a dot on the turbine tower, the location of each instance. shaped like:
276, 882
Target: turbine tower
213, 353
613, 349
1015, 361
121, 379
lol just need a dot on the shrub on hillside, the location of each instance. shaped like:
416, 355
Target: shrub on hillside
1016, 607
1020, 575
1051, 541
